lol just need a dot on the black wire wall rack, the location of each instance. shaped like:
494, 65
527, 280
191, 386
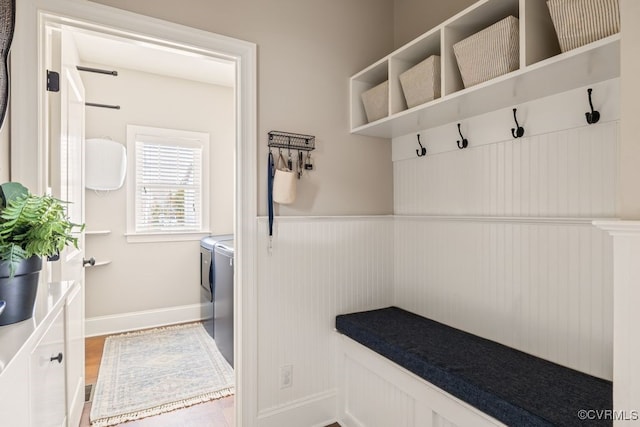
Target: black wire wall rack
291, 141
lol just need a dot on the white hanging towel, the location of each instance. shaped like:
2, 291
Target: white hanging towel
105, 164
284, 183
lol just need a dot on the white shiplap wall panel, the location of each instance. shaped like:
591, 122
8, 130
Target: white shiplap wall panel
543, 288
319, 267
546, 115
485, 239
570, 173
522, 273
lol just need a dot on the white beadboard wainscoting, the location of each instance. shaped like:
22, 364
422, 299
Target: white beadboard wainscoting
497, 239
546, 115
543, 286
319, 267
569, 173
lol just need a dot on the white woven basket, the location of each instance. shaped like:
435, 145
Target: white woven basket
489, 53
421, 83
579, 22
376, 101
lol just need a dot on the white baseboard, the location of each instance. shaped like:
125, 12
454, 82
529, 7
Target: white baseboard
315, 411
105, 325
346, 420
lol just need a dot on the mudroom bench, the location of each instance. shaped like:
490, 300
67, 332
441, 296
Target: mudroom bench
442, 376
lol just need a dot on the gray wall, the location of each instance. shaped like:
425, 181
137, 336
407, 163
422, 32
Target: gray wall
133, 281
307, 50
411, 18
629, 203
306, 54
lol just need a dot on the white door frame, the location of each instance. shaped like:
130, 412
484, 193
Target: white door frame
29, 151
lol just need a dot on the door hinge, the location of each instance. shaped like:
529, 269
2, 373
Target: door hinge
53, 81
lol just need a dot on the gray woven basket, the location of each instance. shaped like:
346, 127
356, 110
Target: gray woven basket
579, 22
421, 83
489, 53
376, 101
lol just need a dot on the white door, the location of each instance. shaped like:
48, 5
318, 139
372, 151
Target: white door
66, 145
66, 178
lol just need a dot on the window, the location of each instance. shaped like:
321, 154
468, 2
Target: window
167, 186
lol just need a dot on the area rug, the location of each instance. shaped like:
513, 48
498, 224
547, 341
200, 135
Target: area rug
159, 370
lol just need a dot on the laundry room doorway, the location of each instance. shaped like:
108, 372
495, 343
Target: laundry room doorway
30, 158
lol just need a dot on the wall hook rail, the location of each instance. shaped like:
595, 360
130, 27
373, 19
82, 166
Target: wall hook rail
518, 131
97, 70
421, 151
94, 104
465, 142
291, 141
593, 116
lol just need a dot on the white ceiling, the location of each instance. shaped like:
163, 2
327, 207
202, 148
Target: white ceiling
116, 52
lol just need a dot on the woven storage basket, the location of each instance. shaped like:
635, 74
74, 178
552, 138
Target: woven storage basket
421, 83
579, 22
376, 101
489, 53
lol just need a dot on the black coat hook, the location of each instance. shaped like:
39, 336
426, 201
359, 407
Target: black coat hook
593, 116
464, 142
518, 131
422, 151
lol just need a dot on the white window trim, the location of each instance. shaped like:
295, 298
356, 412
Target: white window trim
147, 237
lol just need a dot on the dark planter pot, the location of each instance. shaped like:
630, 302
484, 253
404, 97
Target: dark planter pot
19, 292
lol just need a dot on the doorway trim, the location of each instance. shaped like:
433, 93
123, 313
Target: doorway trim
29, 151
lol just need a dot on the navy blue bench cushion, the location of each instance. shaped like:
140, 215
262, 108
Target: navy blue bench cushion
514, 387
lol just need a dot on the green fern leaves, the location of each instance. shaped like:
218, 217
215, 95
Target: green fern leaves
32, 225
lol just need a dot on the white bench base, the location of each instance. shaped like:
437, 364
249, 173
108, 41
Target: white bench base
375, 392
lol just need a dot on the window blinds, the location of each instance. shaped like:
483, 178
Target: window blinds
168, 194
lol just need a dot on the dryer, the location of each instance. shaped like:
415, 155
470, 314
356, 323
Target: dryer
207, 278
223, 298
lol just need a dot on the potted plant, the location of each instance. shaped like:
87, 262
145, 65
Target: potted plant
31, 227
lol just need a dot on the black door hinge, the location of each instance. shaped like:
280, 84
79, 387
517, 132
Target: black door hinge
53, 81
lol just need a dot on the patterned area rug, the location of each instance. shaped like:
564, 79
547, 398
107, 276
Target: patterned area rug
155, 371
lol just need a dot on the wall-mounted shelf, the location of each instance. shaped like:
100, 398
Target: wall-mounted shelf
543, 70
97, 232
291, 141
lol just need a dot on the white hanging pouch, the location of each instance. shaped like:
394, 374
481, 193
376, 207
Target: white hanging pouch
284, 183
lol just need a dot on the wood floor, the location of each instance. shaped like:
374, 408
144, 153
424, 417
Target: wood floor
216, 413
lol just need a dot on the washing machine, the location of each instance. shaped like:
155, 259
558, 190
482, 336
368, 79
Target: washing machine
207, 278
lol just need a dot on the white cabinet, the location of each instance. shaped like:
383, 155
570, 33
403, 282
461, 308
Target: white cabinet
543, 70
47, 376
42, 361
14, 393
